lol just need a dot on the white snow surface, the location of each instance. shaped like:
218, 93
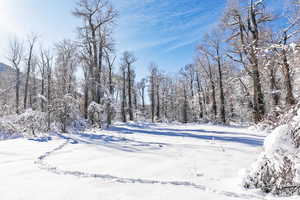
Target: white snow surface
132, 161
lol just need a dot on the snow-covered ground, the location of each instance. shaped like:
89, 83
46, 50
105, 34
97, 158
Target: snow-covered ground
131, 162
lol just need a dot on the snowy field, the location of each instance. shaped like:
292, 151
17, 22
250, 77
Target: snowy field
131, 162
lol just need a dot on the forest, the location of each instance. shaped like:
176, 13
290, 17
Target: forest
244, 71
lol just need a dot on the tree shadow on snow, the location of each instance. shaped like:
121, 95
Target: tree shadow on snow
179, 133
41, 139
115, 142
209, 131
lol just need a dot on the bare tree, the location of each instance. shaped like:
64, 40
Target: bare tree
123, 106
33, 90
185, 105
15, 57
65, 92
97, 16
31, 42
158, 78
141, 87
206, 66
214, 51
48, 59
245, 36
153, 75
110, 60
282, 49
42, 67
128, 60
200, 92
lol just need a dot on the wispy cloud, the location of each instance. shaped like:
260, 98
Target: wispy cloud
175, 24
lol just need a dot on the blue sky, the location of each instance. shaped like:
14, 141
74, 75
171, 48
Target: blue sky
166, 31
162, 31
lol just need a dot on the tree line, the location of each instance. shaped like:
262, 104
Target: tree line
244, 70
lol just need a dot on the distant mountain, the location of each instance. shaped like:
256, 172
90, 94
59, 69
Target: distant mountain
3, 67
7, 77
6, 68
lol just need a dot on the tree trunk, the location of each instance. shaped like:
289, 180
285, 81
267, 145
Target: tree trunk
28, 72
258, 98
259, 104
152, 98
49, 94
214, 102
86, 100
222, 98
42, 92
99, 74
27, 83
95, 63
109, 114
290, 99
143, 98
157, 100
213, 88
129, 94
273, 87
185, 107
18, 91
199, 97
123, 110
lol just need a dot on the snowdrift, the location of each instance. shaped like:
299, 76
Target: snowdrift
277, 169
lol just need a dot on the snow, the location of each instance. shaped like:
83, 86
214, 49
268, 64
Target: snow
276, 140
131, 161
277, 168
293, 46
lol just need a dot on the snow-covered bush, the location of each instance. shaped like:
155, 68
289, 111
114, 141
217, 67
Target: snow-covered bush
277, 170
31, 123
65, 110
277, 117
6, 109
7, 128
261, 127
96, 112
